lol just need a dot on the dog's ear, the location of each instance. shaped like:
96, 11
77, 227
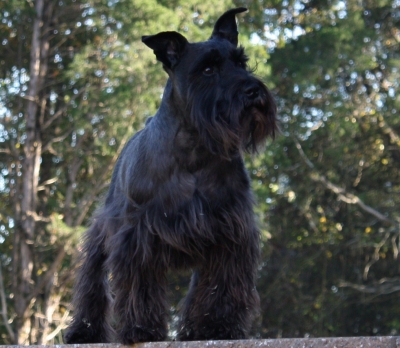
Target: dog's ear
225, 27
167, 46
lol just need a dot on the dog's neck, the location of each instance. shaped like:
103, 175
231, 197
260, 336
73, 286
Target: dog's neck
172, 104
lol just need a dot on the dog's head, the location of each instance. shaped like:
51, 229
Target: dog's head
230, 108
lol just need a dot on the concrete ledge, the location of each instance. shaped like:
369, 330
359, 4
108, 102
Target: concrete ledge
334, 342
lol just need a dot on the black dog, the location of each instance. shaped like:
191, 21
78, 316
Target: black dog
180, 198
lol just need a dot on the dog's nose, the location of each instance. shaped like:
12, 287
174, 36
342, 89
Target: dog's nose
252, 92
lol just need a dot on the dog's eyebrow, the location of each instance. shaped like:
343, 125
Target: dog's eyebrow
238, 56
212, 57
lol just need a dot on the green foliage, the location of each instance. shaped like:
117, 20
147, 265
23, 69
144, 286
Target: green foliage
330, 195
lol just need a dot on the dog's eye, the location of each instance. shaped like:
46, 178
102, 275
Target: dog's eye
208, 71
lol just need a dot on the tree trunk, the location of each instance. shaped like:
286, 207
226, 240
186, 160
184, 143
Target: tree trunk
30, 180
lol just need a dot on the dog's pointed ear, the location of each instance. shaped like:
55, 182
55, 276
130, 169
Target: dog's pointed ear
225, 27
167, 46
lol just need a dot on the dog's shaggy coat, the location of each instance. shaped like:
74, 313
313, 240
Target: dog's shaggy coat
180, 197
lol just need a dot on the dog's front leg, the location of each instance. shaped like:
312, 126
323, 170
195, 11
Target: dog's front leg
222, 299
138, 283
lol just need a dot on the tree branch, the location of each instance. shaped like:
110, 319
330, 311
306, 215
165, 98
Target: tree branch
4, 310
62, 110
88, 199
384, 286
60, 326
56, 140
7, 151
342, 194
45, 279
47, 182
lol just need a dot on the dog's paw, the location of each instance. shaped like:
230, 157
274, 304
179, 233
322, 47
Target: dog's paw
82, 335
139, 334
84, 332
186, 332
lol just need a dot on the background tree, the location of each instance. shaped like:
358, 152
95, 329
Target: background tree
328, 188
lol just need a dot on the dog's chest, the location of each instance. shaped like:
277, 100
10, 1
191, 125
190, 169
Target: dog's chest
218, 181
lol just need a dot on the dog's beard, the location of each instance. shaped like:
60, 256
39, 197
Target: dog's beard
259, 121
228, 122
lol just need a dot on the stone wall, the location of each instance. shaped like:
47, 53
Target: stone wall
335, 342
